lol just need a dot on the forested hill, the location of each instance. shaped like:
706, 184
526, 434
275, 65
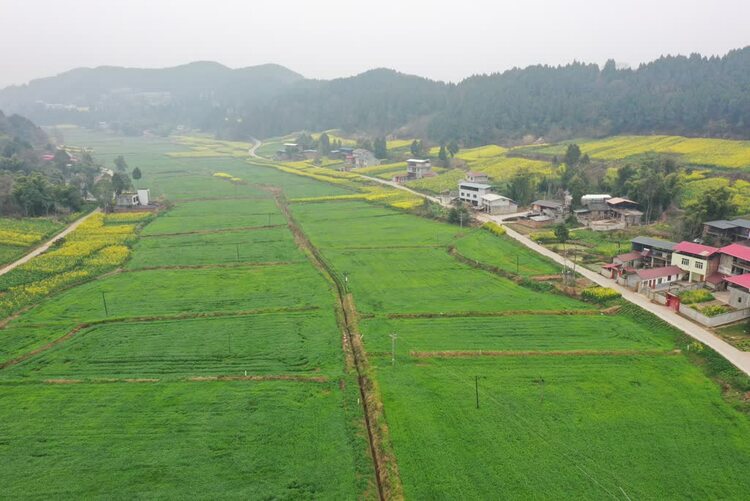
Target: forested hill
673, 95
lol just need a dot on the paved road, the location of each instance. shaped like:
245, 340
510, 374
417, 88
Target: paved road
31, 255
738, 358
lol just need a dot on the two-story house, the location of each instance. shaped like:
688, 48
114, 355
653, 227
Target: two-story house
697, 260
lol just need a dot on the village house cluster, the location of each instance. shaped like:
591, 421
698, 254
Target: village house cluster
662, 270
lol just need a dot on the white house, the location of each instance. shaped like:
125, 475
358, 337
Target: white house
472, 192
144, 196
493, 203
417, 168
699, 261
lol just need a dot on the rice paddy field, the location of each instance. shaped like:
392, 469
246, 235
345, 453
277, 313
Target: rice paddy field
213, 363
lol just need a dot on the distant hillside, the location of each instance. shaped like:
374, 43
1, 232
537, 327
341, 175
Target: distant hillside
689, 96
197, 95
20, 131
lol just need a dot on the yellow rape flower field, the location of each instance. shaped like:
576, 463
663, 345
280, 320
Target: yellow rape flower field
99, 244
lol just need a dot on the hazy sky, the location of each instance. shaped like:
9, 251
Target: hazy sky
446, 40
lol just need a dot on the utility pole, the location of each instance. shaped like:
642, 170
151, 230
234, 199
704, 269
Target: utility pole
461, 219
104, 300
476, 389
393, 336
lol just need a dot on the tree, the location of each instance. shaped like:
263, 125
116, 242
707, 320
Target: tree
562, 233
714, 203
34, 194
120, 164
120, 182
380, 148
68, 196
572, 156
324, 143
522, 186
459, 215
453, 148
443, 154
137, 174
104, 193
417, 148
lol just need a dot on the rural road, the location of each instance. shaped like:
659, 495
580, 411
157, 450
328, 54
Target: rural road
738, 358
255, 146
42, 248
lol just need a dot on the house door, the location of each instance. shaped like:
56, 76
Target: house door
673, 302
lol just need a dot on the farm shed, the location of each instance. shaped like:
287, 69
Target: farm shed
493, 203
739, 291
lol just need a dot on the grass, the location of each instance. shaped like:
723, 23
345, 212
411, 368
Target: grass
163, 292
304, 343
429, 280
232, 247
352, 224
505, 253
596, 427
513, 333
216, 215
271, 440
736, 334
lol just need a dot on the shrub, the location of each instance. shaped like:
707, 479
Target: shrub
713, 310
696, 296
494, 228
544, 237
599, 294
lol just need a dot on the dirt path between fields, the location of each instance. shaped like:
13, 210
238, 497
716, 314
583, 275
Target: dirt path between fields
42, 248
384, 461
209, 232
554, 353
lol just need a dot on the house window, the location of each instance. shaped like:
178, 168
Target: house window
659, 281
685, 261
699, 265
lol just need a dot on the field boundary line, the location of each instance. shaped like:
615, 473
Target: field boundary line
536, 353
145, 319
208, 232
509, 313
246, 264
185, 379
387, 478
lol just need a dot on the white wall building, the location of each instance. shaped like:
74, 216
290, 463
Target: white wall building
472, 193
493, 203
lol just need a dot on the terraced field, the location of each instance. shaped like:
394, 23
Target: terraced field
225, 360
722, 153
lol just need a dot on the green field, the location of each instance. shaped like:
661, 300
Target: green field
272, 440
261, 344
622, 427
230, 247
212, 364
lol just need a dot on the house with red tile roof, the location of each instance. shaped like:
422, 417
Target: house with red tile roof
697, 260
656, 278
